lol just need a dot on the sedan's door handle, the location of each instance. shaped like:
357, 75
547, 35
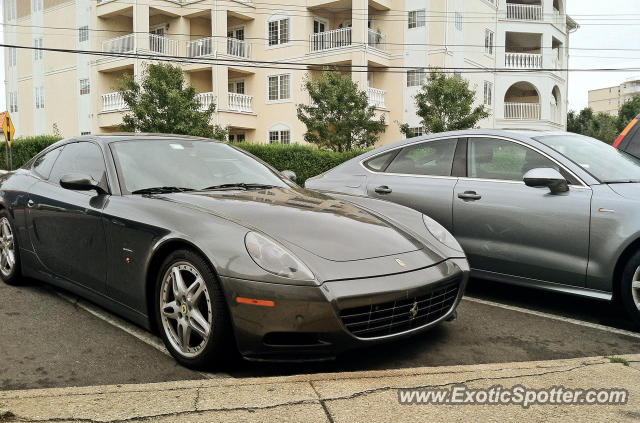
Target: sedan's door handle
469, 195
384, 190
30, 203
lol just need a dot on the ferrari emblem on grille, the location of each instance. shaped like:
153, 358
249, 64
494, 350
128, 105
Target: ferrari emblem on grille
401, 263
414, 310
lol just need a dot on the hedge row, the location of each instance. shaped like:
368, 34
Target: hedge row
305, 161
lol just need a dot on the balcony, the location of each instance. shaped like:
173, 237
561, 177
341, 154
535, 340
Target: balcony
201, 47
523, 61
329, 40
238, 48
113, 102
240, 103
522, 111
163, 45
124, 44
524, 12
376, 97
205, 100
377, 40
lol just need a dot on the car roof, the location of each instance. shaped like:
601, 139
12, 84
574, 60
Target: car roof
123, 136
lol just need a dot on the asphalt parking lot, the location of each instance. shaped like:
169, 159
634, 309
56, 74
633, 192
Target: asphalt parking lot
49, 339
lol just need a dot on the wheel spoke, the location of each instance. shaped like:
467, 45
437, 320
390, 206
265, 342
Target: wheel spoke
198, 323
184, 333
195, 290
3, 259
635, 284
6, 231
171, 310
178, 283
10, 258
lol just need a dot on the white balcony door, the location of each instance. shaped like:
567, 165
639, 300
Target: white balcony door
158, 45
319, 26
236, 87
236, 48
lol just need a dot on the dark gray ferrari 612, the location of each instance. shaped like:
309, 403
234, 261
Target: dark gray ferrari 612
214, 248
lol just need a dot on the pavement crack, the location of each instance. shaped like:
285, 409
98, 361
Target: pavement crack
197, 400
322, 403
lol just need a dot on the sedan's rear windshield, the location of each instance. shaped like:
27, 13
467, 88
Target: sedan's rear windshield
601, 160
186, 163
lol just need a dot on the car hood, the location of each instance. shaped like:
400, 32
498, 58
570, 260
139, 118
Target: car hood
332, 229
630, 191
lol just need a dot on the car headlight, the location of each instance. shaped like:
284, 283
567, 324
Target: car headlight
441, 233
275, 259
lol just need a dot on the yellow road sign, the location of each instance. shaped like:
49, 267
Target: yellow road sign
7, 127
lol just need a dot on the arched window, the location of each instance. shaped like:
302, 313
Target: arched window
279, 133
279, 28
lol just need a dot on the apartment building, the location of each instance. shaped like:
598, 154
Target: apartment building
225, 46
610, 99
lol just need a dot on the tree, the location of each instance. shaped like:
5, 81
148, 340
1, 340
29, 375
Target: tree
579, 122
339, 116
604, 127
164, 103
629, 110
445, 103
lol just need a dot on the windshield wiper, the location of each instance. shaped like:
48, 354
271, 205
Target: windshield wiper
161, 190
622, 181
241, 185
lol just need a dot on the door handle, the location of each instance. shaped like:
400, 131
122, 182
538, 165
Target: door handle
384, 190
30, 203
469, 195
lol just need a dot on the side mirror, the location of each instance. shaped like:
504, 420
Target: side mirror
80, 182
290, 175
546, 177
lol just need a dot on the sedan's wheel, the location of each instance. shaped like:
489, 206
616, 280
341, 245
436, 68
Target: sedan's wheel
9, 258
191, 311
630, 288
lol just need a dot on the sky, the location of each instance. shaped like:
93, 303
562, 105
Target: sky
602, 26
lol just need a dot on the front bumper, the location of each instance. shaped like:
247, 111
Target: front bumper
308, 323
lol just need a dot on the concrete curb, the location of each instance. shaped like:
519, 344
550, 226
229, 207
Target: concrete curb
341, 397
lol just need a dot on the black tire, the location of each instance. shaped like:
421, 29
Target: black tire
626, 290
14, 277
220, 347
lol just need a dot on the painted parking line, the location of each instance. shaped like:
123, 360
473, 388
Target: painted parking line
131, 329
555, 317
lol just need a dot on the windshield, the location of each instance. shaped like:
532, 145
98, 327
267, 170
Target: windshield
601, 160
187, 165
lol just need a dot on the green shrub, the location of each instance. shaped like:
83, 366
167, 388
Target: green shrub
24, 149
305, 161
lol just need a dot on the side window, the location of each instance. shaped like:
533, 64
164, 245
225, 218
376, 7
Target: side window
490, 158
379, 163
43, 164
432, 158
82, 157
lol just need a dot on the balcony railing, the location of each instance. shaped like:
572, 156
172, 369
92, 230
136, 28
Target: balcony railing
376, 97
377, 40
163, 45
239, 48
524, 12
555, 113
522, 111
124, 44
204, 100
523, 61
112, 102
328, 40
240, 102
201, 47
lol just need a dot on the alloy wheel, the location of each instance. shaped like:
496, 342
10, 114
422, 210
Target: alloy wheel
635, 288
185, 309
7, 248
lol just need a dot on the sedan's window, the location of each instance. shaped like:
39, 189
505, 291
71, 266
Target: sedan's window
490, 158
379, 163
432, 158
43, 164
79, 158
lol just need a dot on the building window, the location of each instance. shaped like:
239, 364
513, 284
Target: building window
458, 21
36, 6
85, 133
418, 131
279, 31
417, 18
489, 37
280, 87
237, 137
39, 98
10, 10
415, 77
13, 102
85, 87
83, 34
282, 137
13, 56
488, 93
38, 53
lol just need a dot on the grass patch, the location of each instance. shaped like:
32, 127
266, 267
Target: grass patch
619, 360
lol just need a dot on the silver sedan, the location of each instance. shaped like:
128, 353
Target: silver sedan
551, 210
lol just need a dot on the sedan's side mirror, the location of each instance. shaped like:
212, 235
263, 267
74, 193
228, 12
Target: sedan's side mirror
290, 175
546, 177
80, 182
